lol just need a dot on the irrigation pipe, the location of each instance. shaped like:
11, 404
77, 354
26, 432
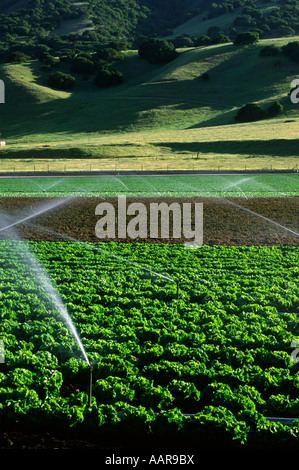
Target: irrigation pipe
90, 387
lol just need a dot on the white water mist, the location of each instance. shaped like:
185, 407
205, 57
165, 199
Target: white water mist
39, 273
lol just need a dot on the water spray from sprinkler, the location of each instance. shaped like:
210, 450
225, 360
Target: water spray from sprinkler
106, 252
9, 227
259, 215
43, 278
41, 211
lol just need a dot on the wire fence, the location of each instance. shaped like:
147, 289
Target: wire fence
58, 166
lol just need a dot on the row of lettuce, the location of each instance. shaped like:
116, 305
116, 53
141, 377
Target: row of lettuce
215, 363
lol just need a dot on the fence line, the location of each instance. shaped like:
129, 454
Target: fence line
143, 168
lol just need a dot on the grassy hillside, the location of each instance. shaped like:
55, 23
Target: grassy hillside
29, 23
159, 112
200, 24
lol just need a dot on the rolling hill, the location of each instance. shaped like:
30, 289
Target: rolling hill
161, 112
158, 110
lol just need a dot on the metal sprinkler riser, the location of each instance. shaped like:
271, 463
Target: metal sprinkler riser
90, 386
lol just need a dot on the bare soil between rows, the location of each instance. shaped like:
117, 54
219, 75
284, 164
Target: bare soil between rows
229, 221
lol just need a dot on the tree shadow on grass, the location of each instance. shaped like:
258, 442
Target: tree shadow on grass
273, 147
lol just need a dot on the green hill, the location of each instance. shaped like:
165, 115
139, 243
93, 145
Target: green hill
244, 16
159, 110
65, 26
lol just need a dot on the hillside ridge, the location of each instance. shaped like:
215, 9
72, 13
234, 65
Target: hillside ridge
158, 110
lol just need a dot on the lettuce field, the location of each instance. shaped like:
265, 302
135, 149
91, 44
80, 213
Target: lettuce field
189, 347
243, 185
221, 352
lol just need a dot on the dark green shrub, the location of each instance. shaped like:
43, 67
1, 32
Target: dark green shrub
48, 59
203, 41
83, 65
107, 77
62, 81
250, 112
183, 41
243, 20
110, 55
157, 51
291, 50
221, 38
269, 51
246, 39
275, 109
16, 56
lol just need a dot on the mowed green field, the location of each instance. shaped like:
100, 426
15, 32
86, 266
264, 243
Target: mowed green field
240, 185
